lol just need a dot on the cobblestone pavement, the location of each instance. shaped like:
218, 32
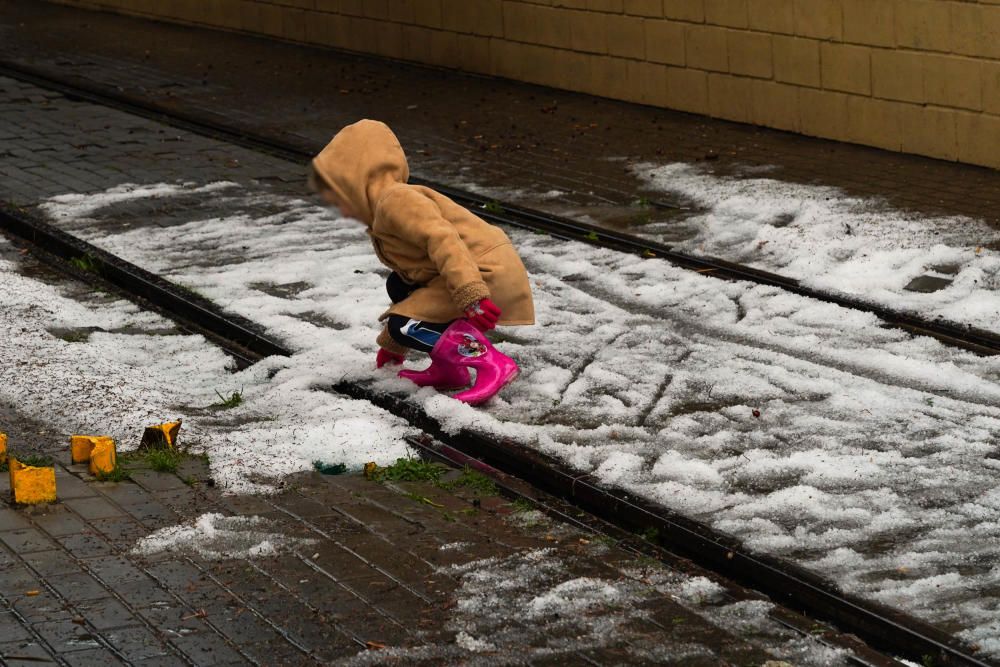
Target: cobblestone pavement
523, 140
382, 573
378, 573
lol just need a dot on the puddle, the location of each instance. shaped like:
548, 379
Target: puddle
283, 291
319, 320
82, 334
947, 269
927, 284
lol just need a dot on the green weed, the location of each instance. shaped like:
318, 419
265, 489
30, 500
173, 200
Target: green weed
85, 263
475, 481
647, 562
409, 470
164, 460
651, 534
643, 202
117, 474
521, 505
233, 401
604, 540
493, 207
592, 236
35, 460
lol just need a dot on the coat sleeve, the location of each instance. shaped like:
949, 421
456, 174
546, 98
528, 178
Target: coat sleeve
416, 219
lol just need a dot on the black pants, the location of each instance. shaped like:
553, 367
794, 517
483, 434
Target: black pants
413, 334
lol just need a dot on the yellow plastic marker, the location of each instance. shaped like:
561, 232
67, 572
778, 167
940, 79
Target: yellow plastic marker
161, 436
99, 450
80, 447
31, 485
103, 458
3, 447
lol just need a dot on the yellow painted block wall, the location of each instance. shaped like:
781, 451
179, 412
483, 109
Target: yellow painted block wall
920, 76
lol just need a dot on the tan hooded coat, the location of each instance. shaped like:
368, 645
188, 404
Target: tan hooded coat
456, 257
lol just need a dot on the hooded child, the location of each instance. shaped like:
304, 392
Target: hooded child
454, 276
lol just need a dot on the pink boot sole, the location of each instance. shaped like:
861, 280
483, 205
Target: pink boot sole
434, 376
472, 397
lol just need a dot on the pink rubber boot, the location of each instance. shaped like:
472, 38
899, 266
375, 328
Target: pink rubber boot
465, 346
439, 375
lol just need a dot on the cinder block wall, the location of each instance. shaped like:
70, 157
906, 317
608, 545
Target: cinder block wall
921, 76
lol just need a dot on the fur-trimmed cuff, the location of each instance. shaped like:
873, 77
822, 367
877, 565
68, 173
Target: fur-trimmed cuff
470, 293
387, 342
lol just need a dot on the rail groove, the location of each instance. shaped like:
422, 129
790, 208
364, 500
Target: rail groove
299, 150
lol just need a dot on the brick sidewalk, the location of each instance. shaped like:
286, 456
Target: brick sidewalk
525, 140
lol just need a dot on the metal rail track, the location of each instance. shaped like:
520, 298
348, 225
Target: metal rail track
298, 150
792, 586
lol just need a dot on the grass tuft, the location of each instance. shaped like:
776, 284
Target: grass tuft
521, 505
409, 470
651, 534
475, 481
493, 207
164, 460
234, 401
117, 474
35, 460
85, 263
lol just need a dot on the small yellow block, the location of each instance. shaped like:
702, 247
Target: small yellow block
103, 458
99, 450
161, 436
3, 447
80, 447
31, 485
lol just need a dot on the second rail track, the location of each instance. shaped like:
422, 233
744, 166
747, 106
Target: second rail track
297, 150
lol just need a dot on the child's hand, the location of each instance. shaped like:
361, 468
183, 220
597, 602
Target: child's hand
483, 315
384, 357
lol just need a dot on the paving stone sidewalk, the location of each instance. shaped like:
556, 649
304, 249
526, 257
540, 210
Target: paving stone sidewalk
391, 573
523, 140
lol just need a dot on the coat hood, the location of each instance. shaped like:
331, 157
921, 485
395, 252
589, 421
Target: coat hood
360, 163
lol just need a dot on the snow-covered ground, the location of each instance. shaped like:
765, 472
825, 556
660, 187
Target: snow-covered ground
835, 242
123, 369
217, 537
872, 460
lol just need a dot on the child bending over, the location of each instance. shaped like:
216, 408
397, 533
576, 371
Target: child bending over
454, 276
